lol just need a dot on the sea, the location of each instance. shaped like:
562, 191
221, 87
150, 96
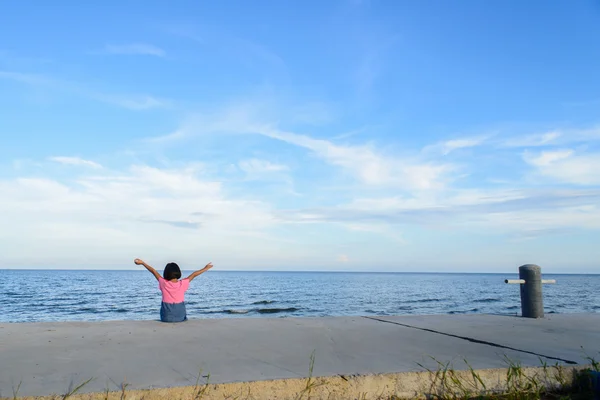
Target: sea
94, 295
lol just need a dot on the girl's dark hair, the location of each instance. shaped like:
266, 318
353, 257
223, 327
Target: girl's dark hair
171, 271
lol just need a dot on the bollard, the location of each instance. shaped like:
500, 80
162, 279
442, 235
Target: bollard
532, 303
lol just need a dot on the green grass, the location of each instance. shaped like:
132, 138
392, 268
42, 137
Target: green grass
551, 384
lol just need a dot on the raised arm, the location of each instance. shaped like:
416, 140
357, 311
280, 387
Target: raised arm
200, 271
137, 261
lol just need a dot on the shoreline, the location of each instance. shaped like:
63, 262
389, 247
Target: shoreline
242, 316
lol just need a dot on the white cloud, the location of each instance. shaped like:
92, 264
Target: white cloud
536, 140
76, 161
117, 216
514, 212
449, 146
428, 197
456, 144
170, 137
239, 119
363, 162
132, 102
135, 49
156, 213
557, 137
566, 166
256, 166
545, 158
137, 103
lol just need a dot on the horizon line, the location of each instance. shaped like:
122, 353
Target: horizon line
309, 271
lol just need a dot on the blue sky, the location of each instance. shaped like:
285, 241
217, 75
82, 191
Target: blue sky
301, 135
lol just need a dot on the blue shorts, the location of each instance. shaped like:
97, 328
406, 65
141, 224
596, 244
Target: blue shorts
173, 312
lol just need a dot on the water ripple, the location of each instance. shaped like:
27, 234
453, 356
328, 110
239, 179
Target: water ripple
85, 296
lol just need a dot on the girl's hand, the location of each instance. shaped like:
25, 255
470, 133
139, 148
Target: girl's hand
208, 266
137, 261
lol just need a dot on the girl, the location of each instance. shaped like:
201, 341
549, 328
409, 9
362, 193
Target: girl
172, 308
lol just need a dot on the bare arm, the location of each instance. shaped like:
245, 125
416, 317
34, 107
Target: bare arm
137, 261
200, 271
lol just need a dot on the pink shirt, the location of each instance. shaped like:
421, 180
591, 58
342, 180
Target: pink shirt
173, 292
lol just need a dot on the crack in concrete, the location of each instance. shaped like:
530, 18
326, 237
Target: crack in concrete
473, 340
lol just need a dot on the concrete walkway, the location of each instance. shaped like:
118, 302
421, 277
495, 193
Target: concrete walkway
49, 357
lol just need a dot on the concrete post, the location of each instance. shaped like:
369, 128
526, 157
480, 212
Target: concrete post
532, 305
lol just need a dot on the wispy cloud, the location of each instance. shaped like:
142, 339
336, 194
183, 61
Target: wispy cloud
456, 144
448, 146
536, 140
366, 164
552, 138
139, 209
136, 103
182, 211
500, 140
131, 102
248, 52
546, 158
512, 211
75, 161
27, 78
134, 49
566, 166
361, 161
426, 181
174, 136
177, 224
256, 166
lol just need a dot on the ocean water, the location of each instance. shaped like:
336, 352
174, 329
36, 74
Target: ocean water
53, 295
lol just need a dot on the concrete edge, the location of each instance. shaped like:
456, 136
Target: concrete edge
403, 385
